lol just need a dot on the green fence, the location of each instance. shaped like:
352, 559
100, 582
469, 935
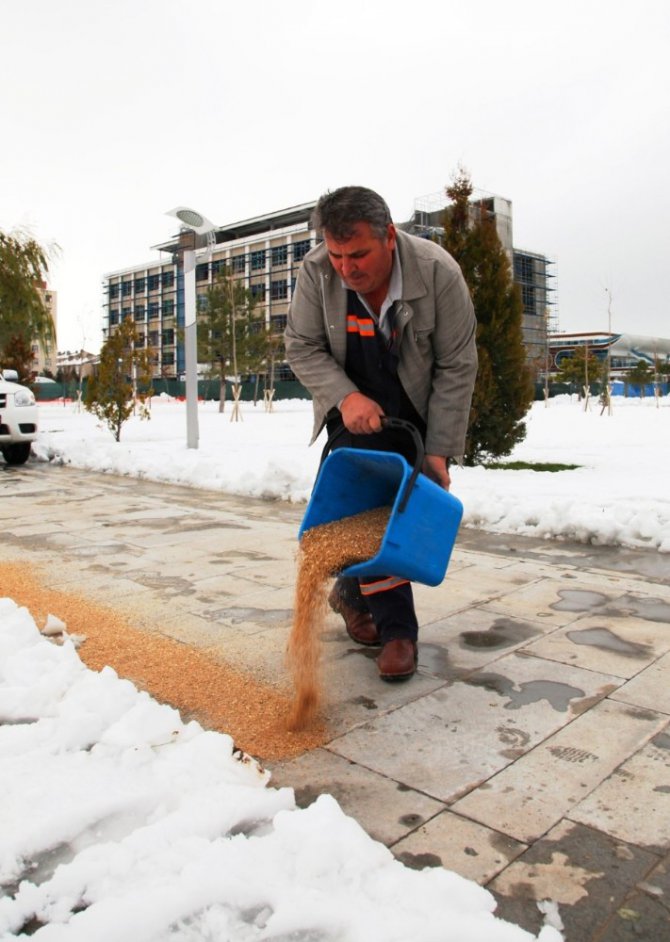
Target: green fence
207, 389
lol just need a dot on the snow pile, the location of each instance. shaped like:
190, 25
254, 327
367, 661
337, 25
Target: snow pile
618, 496
119, 821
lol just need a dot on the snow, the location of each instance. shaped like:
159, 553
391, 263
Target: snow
119, 820
618, 496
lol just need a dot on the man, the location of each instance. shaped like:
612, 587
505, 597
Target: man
381, 324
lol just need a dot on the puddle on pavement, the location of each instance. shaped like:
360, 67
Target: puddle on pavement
556, 694
606, 640
236, 616
579, 600
503, 633
662, 741
647, 609
434, 658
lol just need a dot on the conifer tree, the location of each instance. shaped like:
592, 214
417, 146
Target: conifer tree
122, 380
503, 390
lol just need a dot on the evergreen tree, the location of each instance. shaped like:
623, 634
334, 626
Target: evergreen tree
24, 316
121, 381
640, 375
17, 354
230, 333
582, 368
503, 390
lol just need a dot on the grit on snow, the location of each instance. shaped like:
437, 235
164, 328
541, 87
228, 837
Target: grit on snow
120, 821
618, 495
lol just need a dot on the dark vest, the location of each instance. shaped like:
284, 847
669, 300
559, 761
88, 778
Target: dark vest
372, 364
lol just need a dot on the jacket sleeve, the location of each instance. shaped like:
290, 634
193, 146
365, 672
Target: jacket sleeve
307, 339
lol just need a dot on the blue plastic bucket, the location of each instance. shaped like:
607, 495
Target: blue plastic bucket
424, 519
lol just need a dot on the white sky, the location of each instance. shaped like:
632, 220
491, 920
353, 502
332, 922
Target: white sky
115, 112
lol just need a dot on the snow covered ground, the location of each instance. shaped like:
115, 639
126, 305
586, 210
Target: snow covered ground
119, 821
618, 496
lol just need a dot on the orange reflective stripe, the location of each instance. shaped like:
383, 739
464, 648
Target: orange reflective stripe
360, 325
383, 585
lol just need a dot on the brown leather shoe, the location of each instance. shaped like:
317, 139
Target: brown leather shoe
397, 660
360, 626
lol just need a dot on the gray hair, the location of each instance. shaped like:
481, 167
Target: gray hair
339, 212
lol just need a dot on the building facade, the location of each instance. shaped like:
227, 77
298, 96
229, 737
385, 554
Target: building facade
266, 252
624, 351
45, 355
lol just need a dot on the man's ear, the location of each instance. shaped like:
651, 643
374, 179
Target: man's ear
391, 235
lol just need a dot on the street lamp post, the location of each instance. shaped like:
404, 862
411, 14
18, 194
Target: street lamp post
197, 232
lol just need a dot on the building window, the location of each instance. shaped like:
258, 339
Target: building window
153, 282
202, 271
238, 264
278, 322
168, 307
113, 317
258, 291
140, 285
168, 359
126, 288
202, 302
258, 260
113, 292
139, 312
153, 338
300, 249
168, 338
125, 312
153, 309
279, 290
168, 279
280, 255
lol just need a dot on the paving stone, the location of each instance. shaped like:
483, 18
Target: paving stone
462, 643
471, 730
451, 841
550, 600
526, 799
649, 688
619, 646
386, 810
633, 804
587, 873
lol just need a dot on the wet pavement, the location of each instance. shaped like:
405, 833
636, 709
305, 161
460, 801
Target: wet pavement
531, 752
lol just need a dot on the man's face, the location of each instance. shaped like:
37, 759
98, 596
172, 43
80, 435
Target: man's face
364, 261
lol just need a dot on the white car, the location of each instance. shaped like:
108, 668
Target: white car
18, 419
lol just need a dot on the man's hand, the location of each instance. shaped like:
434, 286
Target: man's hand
361, 416
436, 467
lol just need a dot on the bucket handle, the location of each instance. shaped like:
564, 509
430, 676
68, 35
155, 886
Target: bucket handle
387, 422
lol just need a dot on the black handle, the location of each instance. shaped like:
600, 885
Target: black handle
387, 422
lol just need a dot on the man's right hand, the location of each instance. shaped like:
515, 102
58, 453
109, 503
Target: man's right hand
361, 416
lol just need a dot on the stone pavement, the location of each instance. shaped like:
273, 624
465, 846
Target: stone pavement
530, 753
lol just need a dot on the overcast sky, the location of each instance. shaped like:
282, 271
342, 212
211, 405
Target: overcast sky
115, 111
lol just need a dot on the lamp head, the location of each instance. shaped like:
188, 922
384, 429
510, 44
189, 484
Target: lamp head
192, 219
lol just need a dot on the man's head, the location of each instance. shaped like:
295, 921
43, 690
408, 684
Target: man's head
356, 226
338, 212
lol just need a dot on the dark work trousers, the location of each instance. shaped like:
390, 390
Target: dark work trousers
389, 600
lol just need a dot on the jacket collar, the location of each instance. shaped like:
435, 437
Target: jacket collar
413, 285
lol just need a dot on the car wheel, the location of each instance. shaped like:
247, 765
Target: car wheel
18, 453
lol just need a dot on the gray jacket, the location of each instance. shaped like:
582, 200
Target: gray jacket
436, 331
